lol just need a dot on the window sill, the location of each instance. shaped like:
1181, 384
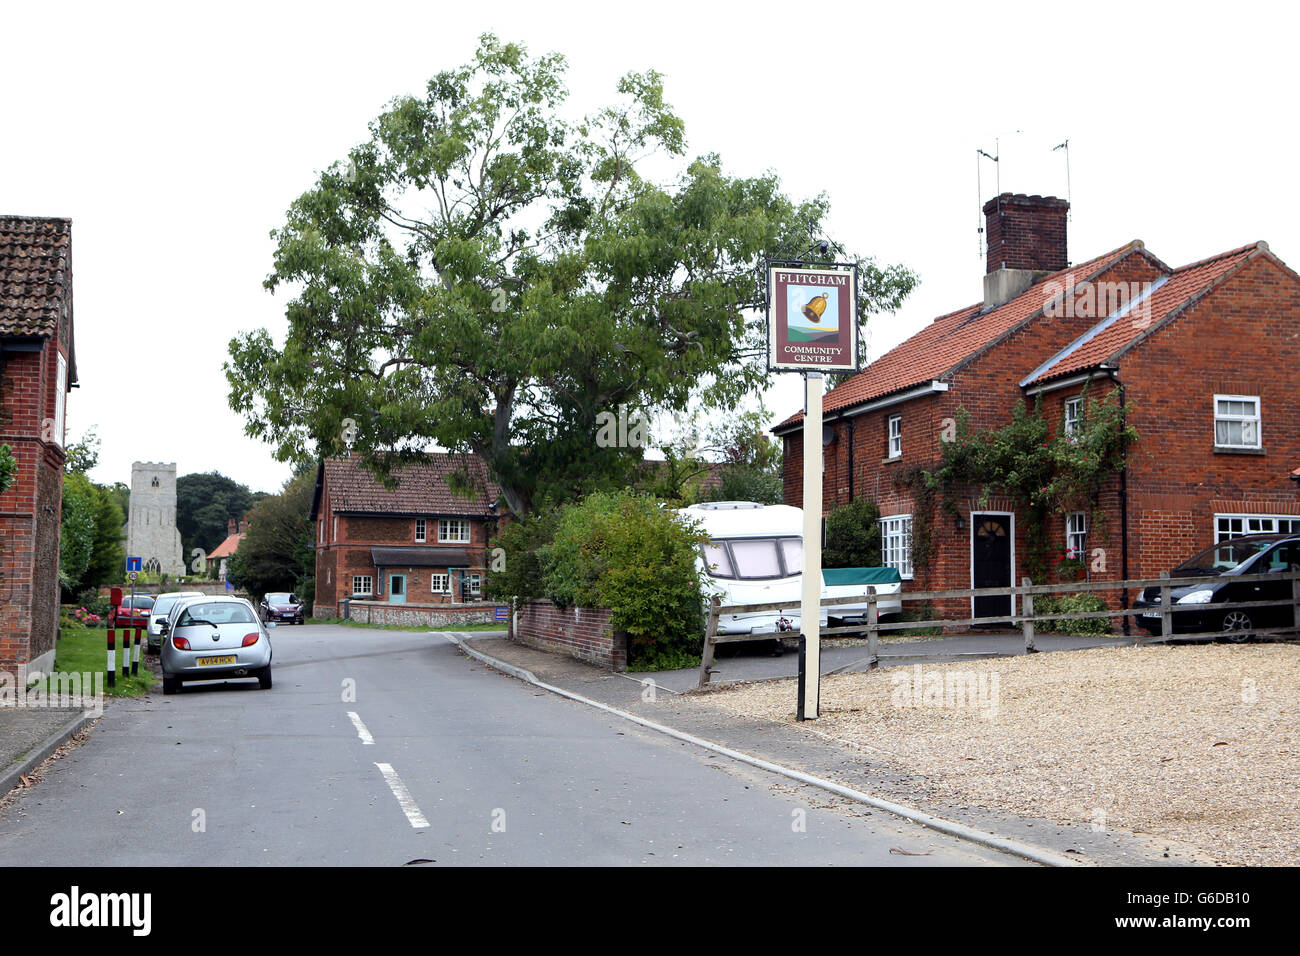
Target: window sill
1232, 450
891, 459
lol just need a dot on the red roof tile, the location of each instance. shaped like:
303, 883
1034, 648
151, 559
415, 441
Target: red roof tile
951, 340
226, 548
422, 488
35, 274
1115, 335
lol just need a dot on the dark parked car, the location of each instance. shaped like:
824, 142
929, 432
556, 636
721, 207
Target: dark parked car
282, 606
1196, 605
134, 611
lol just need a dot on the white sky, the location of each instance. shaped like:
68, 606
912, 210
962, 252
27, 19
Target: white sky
175, 137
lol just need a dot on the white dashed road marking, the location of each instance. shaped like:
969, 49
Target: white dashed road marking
403, 796
361, 728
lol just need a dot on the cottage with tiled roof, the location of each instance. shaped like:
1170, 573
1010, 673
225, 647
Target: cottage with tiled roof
37, 368
420, 542
1203, 357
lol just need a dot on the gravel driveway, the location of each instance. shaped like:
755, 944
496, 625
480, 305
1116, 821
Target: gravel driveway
1200, 744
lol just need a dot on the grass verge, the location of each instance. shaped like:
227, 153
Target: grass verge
83, 650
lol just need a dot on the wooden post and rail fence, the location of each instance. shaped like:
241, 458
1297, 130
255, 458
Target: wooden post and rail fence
1026, 619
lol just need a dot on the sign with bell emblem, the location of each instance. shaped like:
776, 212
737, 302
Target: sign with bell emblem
812, 318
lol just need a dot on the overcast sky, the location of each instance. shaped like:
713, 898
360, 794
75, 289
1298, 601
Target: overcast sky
175, 136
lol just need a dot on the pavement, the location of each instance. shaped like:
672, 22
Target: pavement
30, 734
663, 698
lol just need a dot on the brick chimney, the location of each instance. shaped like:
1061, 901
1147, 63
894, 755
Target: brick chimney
1026, 240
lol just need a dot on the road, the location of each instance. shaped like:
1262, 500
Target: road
381, 747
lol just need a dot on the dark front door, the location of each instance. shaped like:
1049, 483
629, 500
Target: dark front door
991, 561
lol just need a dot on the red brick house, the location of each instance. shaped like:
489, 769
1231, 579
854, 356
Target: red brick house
1203, 357
419, 543
222, 553
37, 368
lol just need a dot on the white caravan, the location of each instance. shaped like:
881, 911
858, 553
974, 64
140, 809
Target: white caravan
755, 556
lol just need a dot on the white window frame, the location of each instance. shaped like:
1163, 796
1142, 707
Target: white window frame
1253, 524
445, 538
896, 544
895, 436
335, 535
1073, 415
440, 583
476, 582
369, 583
1076, 529
421, 530
1257, 419
61, 401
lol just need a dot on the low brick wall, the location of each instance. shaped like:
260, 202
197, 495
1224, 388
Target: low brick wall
579, 632
423, 615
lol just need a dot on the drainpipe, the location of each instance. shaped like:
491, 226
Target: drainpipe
850, 423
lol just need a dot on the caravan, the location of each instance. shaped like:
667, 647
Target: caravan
755, 556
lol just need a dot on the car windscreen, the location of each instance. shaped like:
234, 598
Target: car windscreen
1224, 556
139, 601
283, 598
163, 606
218, 613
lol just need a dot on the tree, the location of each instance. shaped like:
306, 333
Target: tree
751, 461
77, 529
205, 503
276, 553
107, 553
852, 536
485, 275
83, 455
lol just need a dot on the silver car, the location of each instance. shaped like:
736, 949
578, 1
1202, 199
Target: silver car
214, 638
158, 613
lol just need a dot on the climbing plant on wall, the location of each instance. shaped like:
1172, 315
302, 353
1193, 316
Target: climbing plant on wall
1047, 474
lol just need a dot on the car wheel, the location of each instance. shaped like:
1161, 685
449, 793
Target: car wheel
1240, 624
171, 685
264, 677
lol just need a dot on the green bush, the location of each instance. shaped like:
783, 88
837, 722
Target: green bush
852, 536
628, 553
521, 540
1065, 604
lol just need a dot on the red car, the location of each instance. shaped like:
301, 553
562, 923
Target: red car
134, 612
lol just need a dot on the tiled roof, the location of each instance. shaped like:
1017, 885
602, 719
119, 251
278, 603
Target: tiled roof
35, 274
952, 339
422, 488
226, 548
1114, 335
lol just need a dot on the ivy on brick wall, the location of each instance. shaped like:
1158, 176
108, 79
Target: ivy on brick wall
1047, 475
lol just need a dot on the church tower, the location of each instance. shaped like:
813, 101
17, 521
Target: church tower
151, 531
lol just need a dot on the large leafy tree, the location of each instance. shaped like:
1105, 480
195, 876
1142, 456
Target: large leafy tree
90, 543
276, 554
205, 503
486, 275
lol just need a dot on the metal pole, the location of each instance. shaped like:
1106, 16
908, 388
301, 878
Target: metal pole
810, 606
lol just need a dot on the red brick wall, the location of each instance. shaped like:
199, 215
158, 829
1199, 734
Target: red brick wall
1242, 339
30, 510
582, 633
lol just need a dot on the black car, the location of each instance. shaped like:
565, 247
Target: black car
1196, 605
282, 606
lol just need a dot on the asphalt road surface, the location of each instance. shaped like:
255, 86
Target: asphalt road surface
381, 747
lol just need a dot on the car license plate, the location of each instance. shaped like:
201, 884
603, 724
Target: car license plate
1150, 617
206, 661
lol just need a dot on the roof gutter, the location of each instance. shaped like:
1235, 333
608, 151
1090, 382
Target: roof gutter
930, 388
1101, 371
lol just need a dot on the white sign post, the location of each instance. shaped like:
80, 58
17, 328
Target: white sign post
811, 606
812, 327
